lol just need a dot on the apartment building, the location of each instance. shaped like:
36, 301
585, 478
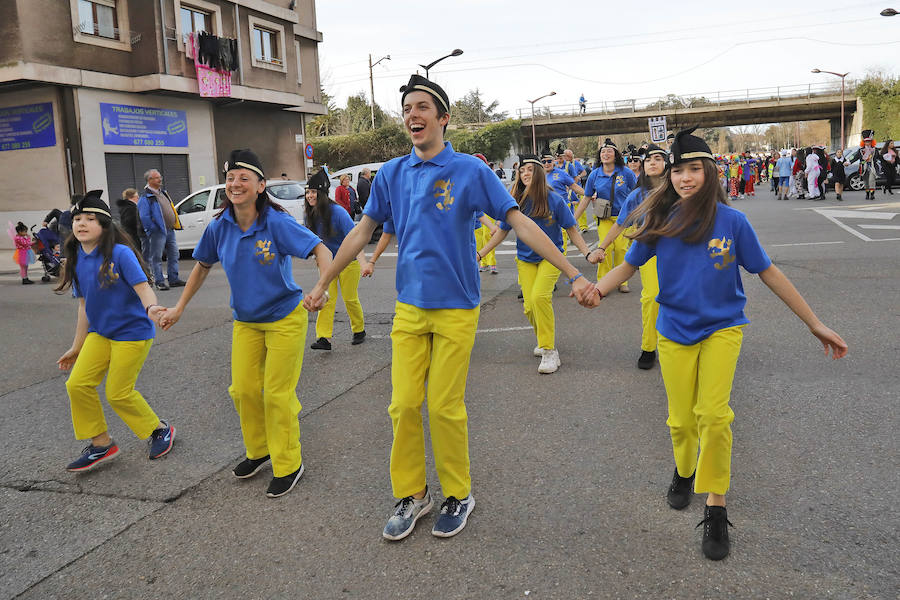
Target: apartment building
95, 92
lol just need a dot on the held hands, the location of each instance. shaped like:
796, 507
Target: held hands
367, 269
315, 299
66, 361
165, 317
585, 292
596, 256
832, 340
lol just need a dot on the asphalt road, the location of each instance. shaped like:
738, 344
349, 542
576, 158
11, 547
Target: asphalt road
569, 470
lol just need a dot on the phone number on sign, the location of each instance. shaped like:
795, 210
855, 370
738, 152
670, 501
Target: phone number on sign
138, 142
15, 145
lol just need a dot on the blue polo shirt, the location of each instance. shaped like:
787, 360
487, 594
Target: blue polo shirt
432, 205
560, 181
113, 308
784, 166
700, 289
257, 262
560, 218
341, 223
631, 202
598, 182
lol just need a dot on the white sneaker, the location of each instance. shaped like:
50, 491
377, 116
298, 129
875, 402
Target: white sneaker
549, 362
538, 351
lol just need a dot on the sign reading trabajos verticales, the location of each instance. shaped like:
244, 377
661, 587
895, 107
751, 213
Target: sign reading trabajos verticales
125, 125
28, 126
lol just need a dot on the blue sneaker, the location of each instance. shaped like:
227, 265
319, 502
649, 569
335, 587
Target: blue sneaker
406, 513
92, 456
161, 441
454, 514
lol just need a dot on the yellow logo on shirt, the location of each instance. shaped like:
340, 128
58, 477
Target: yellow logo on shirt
720, 248
262, 252
620, 181
442, 190
109, 276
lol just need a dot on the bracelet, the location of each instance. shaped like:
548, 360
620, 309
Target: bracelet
571, 281
147, 308
587, 256
478, 254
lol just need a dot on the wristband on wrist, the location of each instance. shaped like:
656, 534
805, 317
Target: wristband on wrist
478, 254
571, 281
148, 307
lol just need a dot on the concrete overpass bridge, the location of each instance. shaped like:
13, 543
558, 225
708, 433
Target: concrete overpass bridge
805, 102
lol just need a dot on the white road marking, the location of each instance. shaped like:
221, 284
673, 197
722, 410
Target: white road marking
804, 244
879, 226
856, 214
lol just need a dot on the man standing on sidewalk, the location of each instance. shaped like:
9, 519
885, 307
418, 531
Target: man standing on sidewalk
159, 219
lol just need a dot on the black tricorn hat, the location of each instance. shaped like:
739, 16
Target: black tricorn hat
654, 149
244, 159
546, 152
319, 181
608, 143
524, 159
559, 150
417, 82
91, 203
689, 147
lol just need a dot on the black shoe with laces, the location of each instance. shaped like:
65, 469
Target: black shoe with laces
358, 338
249, 467
279, 486
680, 491
321, 344
715, 532
647, 359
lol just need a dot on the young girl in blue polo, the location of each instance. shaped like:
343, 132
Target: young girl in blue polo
700, 242
113, 334
655, 163
332, 226
537, 276
611, 174
254, 238
431, 197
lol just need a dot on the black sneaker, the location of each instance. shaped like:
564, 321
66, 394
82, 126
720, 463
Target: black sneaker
715, 532
680, 492
279, 486
162, 286
249, 467
26, 281
321, 344
92, 456
177, 283
647, 359
358, 338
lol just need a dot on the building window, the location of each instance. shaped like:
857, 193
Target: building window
195, 16
267, 41
102, 23
195, 21
98, 17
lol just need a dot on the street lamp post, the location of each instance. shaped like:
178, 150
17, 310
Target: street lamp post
842, 76
533, 138
372, 83
456, 52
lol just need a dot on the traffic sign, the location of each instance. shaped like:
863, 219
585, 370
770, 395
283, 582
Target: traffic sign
309, 151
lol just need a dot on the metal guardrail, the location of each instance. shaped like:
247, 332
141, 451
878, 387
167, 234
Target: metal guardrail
672, 101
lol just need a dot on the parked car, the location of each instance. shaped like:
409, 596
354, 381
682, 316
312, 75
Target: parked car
854, 179
354, 172
198, 209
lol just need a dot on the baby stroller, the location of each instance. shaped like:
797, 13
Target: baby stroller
43, 244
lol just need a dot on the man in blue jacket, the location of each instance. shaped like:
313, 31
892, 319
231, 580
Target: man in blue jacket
159, 219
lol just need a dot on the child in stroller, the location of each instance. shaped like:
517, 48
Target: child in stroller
46, 247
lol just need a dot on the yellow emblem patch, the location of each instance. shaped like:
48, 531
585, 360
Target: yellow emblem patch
442, 191
720, 248
110, 276
262, 252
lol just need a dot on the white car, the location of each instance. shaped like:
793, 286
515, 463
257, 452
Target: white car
198, 209
354, 172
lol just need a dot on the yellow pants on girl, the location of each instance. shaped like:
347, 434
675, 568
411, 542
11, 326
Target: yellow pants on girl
121, 363
615, 252
482, 235
431, 349
649, 305
698, 381
537, 281
349, 287
265, 366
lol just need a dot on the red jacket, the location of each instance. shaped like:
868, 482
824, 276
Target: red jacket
342, 197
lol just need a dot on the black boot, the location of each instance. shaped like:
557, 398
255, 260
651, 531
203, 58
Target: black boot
715, 532
321, 344
680, 491
26, 281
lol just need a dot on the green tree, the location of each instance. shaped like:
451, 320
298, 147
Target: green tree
330, 122
494, 141
357, 116
880, 95
472, 108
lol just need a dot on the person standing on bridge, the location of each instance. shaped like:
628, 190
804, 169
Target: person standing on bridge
431, 197
699, 242
582, 104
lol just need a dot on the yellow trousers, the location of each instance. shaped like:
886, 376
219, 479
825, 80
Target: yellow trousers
582, 220
265, 366
649, 305
431, 349
698, 381
121, 363
482, 235
349, 288
537, 281
615, 252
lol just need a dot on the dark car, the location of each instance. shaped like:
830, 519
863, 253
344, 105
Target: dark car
851, 168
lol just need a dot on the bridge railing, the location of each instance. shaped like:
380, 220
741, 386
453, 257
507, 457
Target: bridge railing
672, 101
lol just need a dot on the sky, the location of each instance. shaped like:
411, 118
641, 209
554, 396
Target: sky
515, 52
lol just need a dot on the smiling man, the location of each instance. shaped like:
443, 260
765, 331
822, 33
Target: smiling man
429, 199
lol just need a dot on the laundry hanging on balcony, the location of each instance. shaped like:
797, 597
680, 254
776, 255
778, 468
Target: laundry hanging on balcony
215, 59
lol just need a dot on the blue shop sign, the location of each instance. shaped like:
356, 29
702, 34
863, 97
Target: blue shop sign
125, 125
28, 126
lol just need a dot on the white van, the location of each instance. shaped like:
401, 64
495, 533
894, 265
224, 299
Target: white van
354, 172
198, 209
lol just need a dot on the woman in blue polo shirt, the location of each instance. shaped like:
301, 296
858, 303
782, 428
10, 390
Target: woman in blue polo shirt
332, 226
537, 276
255, 238
700, 242
612, 173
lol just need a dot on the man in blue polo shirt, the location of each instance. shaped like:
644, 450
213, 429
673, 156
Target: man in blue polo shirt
431, 197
